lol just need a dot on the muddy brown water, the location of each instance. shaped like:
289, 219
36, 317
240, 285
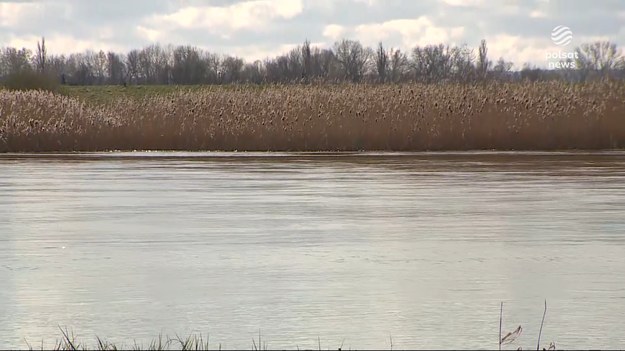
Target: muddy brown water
352, 249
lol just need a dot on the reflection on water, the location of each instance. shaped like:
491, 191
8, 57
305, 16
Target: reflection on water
350, 248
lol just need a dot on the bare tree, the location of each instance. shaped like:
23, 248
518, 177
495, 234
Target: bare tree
348, 60
146, 65
80, 68
325, 63
501, 68
188, 66
295, 64
272, 70
155, 65
290, 67
132, 66
353, 58
14, 60
463, 61
253, 72
231, 69
57, 66
398, 66
306, 61
116, 68
530, 72
99, 64
483, 64
381, 63
40, 57
601, 57
432, 63
212, 63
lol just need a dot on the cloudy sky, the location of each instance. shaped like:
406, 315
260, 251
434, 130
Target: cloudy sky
518, 30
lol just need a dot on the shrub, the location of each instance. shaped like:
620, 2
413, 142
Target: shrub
31, 80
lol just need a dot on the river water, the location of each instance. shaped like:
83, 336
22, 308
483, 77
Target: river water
362, 250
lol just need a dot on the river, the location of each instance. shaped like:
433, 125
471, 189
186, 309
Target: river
359, 250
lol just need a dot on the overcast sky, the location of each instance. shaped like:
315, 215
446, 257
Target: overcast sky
518, 30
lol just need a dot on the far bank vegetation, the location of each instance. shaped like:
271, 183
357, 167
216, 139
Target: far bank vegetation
311, 99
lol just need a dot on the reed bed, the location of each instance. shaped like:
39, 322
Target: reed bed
411, 117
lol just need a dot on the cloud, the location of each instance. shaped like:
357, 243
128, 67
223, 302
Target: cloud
334, 31
517, 49
464, 3
367, 2
64, 44
152, 35
517, 30
406, 33
260, 52
244, 15
13, 13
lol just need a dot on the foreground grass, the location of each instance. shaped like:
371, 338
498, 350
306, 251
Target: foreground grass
198, 342
192, 342
411, 117
69, 342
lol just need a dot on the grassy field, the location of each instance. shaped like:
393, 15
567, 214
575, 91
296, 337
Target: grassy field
411, 117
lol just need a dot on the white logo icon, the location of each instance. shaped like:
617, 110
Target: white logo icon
561, 35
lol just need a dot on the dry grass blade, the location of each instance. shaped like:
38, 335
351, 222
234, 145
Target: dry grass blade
28, 344
512, 336
192, 342
184, 344
101, 343
136, 347
158, 344
541, 326
105, 345
67, 343
500, 323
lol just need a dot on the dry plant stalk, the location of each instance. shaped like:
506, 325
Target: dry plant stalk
409, 117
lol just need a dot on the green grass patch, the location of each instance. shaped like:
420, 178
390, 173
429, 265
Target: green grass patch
106, 94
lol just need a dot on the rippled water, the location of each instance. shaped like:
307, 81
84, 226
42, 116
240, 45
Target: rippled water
351, 249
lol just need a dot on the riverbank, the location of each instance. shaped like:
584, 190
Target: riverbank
413, 117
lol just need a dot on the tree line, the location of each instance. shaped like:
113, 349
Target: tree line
347, 61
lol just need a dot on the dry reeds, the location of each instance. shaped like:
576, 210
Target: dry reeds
195, 342
412, 117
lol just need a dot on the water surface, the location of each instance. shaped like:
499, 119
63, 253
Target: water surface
353, 249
